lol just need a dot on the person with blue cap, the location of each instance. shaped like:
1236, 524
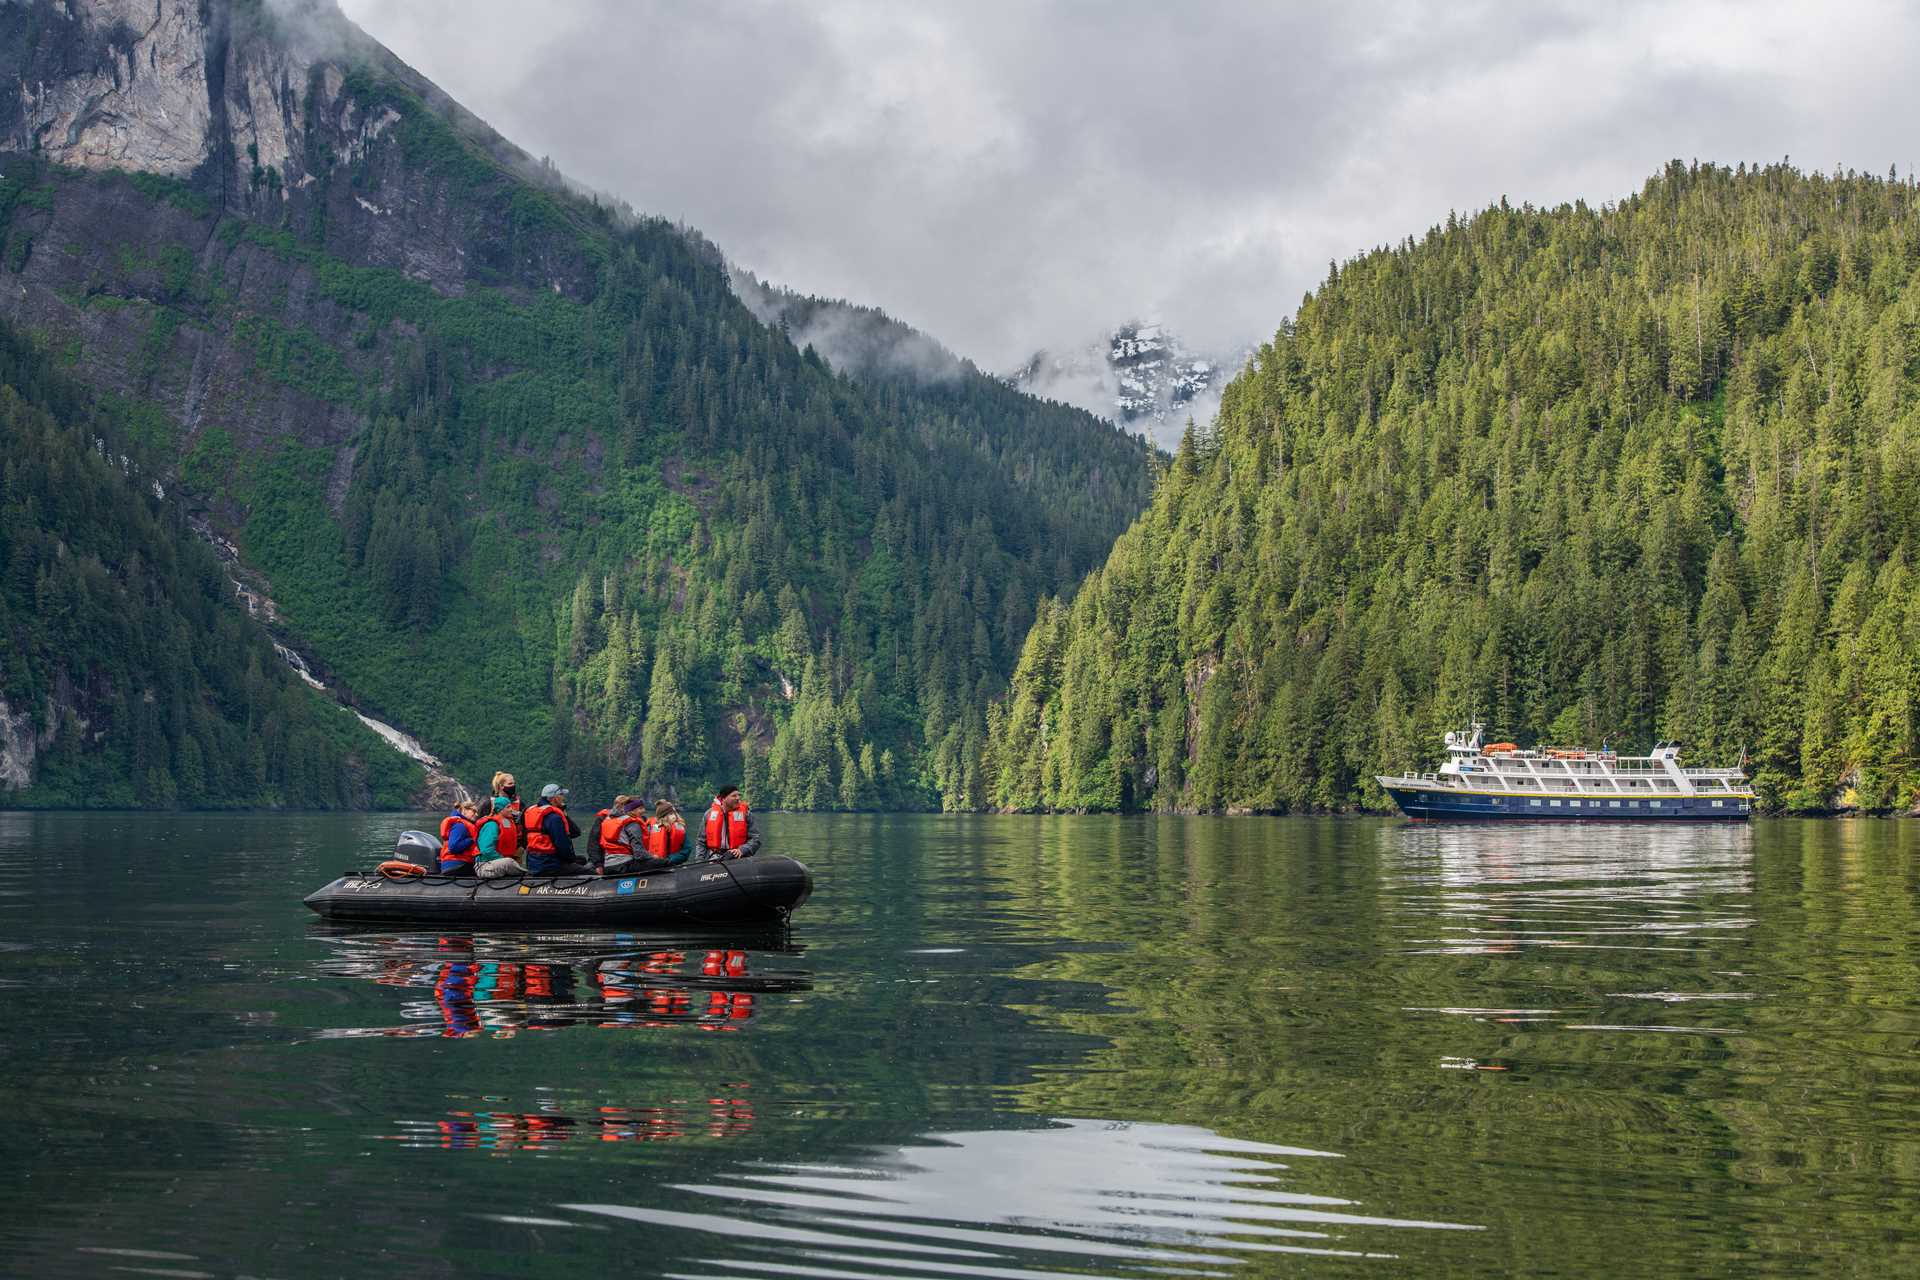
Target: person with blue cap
550, 835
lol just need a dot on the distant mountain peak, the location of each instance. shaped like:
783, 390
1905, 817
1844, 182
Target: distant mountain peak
1140, 375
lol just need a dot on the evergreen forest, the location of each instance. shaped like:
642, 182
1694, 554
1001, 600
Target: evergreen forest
1596, 475
644, 542
126, 668
617, 529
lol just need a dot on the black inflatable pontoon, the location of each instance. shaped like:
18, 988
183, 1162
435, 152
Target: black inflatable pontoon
761, 889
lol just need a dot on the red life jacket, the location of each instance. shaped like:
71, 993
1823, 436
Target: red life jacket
726, 828
509, 842
538, 841
611, 825
666, 837
446, 829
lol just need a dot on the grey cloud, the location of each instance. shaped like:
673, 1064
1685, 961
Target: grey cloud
1010, 177
851, 338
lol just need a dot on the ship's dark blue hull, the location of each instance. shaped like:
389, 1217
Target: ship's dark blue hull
1482, 807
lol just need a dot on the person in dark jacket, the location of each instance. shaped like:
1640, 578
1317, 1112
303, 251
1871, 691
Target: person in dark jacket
728, 831
550, 836
619, 836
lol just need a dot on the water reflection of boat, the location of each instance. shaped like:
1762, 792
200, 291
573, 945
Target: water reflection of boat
1465, 889
470, 984
727, 1114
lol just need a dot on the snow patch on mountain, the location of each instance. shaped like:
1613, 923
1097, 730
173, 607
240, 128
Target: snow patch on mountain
1139, 375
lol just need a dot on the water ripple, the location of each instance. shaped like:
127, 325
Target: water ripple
1114, 1198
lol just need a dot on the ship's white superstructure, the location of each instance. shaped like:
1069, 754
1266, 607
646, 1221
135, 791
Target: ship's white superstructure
1502, 780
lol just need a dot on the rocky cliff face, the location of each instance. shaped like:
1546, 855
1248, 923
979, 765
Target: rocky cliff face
280, 110
119, 84
18, 747
283, 115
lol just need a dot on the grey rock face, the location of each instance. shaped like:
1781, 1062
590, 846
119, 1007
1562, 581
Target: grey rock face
280, 116
257, 108
138, 98
17, 748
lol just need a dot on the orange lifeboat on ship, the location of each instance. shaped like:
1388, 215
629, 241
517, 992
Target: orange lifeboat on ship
1502, 749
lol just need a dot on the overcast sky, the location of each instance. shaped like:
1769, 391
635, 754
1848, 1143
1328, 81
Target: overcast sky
1010, 176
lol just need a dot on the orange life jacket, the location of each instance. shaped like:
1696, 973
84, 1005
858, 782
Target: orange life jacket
666, 837
509, 842
538, 841
446, 829
726, 828
611, 825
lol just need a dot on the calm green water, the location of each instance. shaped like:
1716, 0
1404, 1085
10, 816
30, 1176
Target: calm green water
990, 1047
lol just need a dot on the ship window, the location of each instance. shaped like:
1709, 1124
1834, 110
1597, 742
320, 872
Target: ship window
1654, 803
1534, 803
1554, 803
1613, 804
1633, 804
1719, 804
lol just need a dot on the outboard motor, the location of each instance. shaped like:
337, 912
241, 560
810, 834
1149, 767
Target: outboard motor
418, 847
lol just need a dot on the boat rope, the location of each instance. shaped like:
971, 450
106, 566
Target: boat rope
503, 883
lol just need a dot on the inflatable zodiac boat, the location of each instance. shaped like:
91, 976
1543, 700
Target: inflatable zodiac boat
762, 889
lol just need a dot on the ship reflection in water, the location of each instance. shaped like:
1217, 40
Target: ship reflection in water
1076, 1197
1488, 890
468, 985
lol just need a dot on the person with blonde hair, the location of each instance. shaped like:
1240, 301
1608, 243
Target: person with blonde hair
457, 839
504, 785
667, 834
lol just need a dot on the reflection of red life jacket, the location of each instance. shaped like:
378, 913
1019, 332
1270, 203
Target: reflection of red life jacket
666, 836
538, 841
726, 828
446, 829
453, 992
509, 842
611, 825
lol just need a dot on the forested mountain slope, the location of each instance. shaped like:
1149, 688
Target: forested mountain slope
1598, 475
525, 476
128, 675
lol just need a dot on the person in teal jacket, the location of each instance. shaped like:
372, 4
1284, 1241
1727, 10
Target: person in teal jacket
494, 864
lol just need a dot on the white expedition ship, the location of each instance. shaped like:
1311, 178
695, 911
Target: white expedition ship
1499, 780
